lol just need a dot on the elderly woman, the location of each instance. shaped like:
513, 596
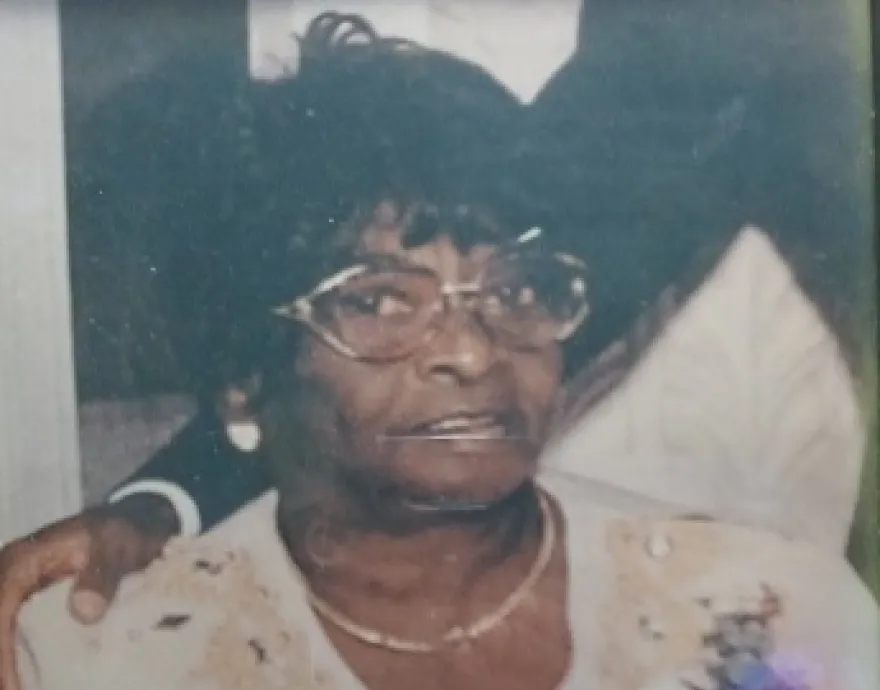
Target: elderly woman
388, 315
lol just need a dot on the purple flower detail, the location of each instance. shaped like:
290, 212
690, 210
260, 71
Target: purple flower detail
783, 672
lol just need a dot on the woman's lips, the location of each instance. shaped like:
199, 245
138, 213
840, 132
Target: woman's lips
481, 425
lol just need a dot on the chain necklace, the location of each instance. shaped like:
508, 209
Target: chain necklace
457, 634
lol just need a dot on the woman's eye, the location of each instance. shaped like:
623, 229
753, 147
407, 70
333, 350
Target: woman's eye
376, 304
525, 296
518, 296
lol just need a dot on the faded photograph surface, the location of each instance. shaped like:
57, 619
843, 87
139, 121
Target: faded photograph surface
448, 344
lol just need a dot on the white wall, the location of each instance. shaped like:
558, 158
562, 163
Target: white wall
521, 42
39, 463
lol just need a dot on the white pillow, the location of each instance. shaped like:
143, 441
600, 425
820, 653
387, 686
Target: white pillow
743, 408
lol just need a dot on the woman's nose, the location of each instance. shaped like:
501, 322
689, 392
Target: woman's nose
461, 351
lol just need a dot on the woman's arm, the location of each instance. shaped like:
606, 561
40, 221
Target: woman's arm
191, 484
200, 474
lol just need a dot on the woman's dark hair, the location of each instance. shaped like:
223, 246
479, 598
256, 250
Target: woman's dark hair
155, 158
224, 196
365, 120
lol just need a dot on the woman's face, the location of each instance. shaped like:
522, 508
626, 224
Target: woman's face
457, 424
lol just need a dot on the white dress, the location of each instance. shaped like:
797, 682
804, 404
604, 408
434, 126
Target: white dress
654, 602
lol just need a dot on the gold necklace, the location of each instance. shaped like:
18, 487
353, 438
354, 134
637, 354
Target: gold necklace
456, 635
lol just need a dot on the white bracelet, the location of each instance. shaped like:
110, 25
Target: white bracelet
188, 514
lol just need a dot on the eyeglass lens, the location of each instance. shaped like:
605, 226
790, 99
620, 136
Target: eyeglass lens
386, 313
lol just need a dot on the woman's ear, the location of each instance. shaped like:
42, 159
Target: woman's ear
235, 408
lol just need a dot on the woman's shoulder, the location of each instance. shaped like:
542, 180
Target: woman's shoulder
213, 609
734, 602
671, 600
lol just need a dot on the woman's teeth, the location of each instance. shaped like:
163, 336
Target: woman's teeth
488, 426
465, 427
463, 423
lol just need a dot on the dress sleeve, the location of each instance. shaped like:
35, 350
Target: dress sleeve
201, 474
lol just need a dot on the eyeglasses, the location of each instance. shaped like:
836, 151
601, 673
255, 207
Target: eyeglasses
384, 309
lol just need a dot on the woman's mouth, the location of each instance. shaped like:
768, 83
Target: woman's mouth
483, 425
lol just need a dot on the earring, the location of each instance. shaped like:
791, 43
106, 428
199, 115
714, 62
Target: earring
245, 435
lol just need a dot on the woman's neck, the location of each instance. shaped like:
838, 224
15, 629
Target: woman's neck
349, 557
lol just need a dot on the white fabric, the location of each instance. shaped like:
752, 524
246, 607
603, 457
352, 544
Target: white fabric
637, 620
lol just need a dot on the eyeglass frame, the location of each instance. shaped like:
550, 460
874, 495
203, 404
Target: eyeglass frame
301, 309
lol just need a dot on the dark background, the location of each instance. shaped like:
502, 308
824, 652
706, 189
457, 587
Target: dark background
121, 350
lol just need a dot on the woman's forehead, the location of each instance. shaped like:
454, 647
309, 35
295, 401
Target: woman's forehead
387, 233
441, 252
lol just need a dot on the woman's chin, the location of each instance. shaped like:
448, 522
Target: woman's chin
451, 504
436, 481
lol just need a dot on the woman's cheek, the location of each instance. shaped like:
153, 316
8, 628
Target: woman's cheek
540, 381
371, 400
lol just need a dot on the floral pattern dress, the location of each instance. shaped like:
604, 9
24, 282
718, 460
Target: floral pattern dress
655, 603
